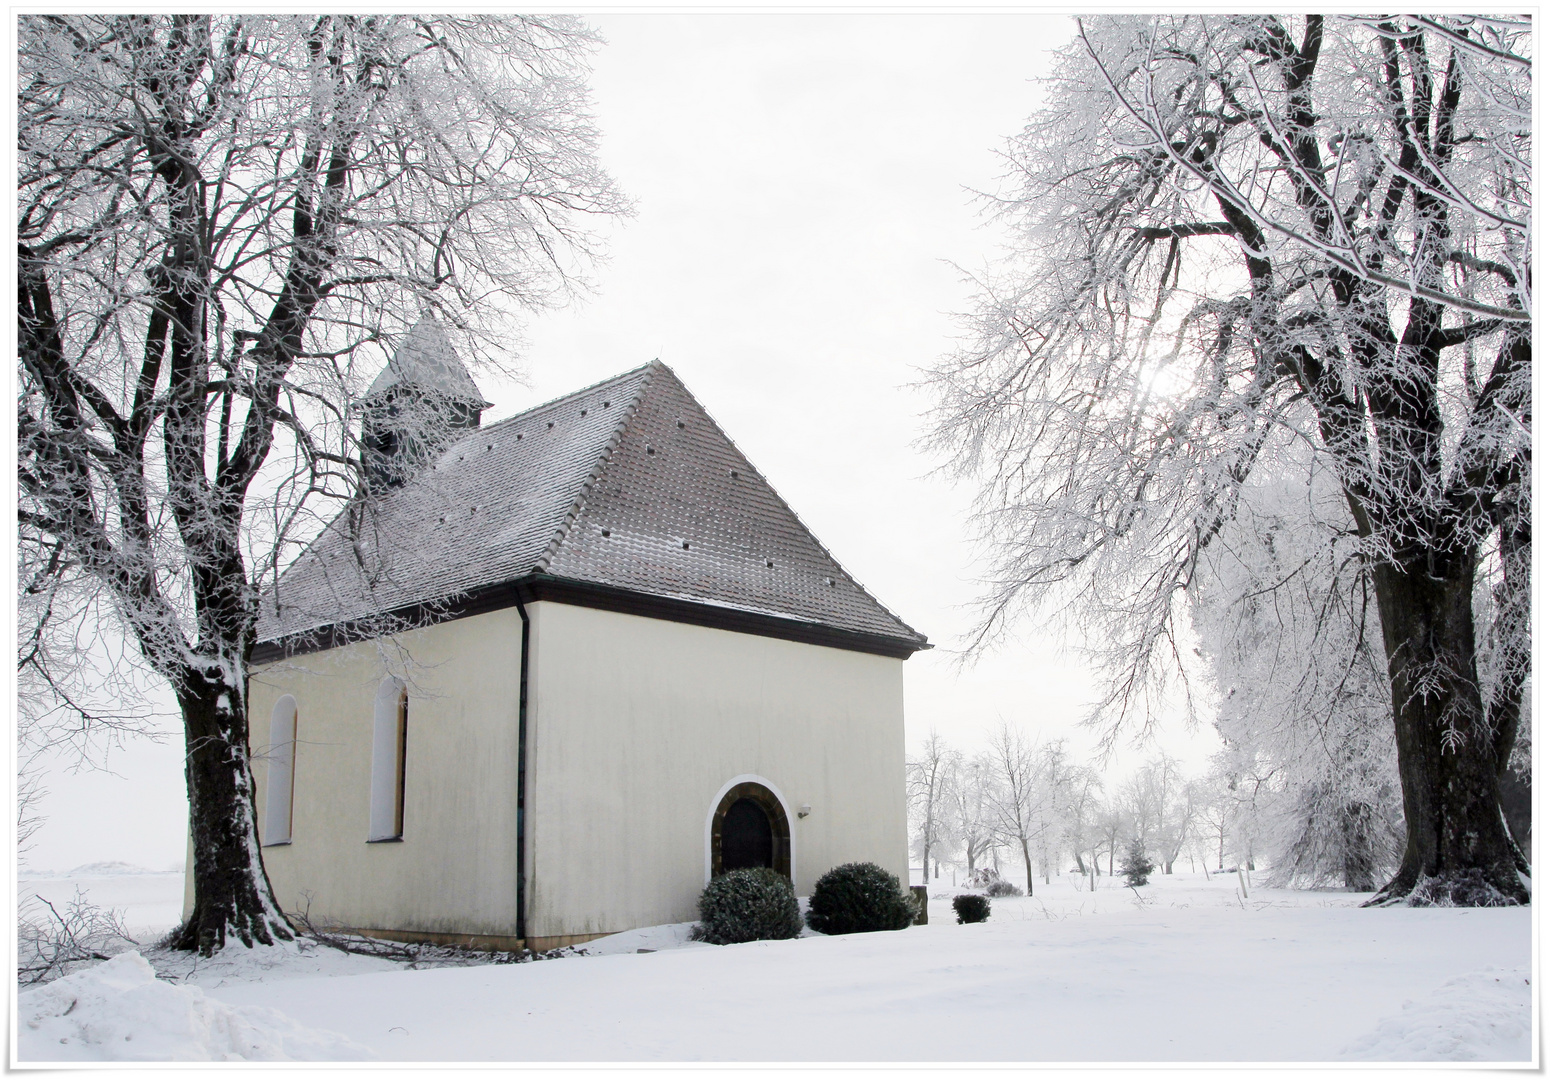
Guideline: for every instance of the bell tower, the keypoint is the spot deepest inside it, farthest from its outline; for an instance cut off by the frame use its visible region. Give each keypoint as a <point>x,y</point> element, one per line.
<point>422,401</point>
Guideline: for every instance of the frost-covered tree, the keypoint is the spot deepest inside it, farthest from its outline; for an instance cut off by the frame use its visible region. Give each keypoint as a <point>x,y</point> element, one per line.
<point>1229,229</point>
<point>220,220</point>
<point>930,777</point>
<point>1014,793</point>
<point>1082,793</point>
<point>1110,828</point>
<point>969,810</point>
<point>1160,806</point>
<point>1303,684</point>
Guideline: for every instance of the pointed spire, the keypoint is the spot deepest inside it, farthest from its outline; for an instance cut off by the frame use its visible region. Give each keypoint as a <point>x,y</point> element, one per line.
<point>426,359</point>
<point>418,404</point>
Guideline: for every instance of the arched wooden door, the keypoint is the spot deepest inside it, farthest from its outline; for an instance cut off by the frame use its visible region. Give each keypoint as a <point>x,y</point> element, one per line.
<point>748,829</point>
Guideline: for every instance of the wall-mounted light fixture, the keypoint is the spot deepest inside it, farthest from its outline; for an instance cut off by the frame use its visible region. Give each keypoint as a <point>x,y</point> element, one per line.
<point>804,810</point>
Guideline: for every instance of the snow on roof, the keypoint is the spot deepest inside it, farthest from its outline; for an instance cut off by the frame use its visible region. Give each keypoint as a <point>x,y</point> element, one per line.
<point>628,484</point>
<point>427,359</point>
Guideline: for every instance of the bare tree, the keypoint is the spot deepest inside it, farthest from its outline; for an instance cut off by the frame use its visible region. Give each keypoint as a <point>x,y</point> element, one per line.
<point>1142,799</point>
<point>1237,233</point>
<point>1179,827</point>
<point>1110,829</point>
<point>929,779</point>
<point>1014,792</point>
<point>1217,806</point>
<point>969,806</point>
<point>220,219</point>
<point>1083,794</point>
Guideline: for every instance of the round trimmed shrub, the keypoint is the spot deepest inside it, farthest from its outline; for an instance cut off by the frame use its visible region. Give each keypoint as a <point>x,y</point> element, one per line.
<point>748,905</point>
<point>971,907</point>
<point>858,898</point>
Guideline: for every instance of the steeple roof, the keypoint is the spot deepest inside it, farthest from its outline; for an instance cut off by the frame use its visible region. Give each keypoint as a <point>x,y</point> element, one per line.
<point>627,487</point>
<point>425,358</point>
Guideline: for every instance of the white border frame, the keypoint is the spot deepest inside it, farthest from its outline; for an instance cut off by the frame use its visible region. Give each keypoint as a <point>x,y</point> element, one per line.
<point>744,778</point>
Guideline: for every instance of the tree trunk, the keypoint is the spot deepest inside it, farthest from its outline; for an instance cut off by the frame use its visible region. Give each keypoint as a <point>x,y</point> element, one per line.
<point>1028,865</point>
<point>1457,850</point>
<point>1356,828</point>
<point>231,889</point>
<point>1081,867</point>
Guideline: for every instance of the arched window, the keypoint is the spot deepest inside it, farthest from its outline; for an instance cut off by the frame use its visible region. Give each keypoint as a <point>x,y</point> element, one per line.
<point>389,736</point>
<point>279,781</point>
<point>749,828</point>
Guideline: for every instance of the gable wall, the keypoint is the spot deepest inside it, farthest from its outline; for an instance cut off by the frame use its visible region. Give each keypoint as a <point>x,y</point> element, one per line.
<point>636,725</point>
<point>455,870</point>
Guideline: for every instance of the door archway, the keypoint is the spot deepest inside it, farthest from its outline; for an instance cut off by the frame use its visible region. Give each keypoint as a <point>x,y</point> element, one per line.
<point>749,828</point>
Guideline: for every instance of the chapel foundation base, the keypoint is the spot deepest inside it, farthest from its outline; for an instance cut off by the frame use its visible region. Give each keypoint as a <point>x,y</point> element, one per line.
<point>484,942</point>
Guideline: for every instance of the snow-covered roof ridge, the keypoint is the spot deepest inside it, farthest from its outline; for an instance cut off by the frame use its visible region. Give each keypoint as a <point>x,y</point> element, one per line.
<point>627,484</point>
<point>426,358</point>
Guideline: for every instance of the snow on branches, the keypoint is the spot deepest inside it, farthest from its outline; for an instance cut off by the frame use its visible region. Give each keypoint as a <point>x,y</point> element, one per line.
<point>221,221</point>
<point>1233,236</point>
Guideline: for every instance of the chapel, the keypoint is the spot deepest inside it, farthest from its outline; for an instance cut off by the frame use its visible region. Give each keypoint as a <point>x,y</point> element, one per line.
<point>544,678</point>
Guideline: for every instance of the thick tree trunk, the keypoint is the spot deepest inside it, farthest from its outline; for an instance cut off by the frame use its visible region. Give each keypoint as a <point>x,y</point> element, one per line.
<point>232,894</point>
<point>1457,850</point>
<point>1028,866</point>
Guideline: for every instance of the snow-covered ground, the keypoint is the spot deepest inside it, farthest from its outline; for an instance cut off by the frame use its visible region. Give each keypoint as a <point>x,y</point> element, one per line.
<point>1189,971</point>
<point>150,902</point>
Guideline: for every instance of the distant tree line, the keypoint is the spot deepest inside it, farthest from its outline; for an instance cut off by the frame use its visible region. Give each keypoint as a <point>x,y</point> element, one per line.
<point>1026,810</point>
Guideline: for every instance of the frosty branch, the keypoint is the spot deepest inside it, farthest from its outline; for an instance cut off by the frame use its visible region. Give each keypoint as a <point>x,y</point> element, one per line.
<point>1236,235</point>
<point>218,216</point>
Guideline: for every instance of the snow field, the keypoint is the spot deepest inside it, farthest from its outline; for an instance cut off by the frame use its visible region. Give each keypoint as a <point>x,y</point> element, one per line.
<point>151,903</point>
<point>119,1011</point>
<point>1189,970</point>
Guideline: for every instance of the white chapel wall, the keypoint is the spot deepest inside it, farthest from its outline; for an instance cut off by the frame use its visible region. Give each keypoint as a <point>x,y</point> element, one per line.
<point>637,725</point>
<point>454,871</point>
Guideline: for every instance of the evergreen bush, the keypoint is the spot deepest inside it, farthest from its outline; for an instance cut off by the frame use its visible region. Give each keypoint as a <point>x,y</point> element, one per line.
<point>1136,867</point>
<point>1000,887</point>
<point>971,907</point>
<point>748,905</point>
<point>857,898</point>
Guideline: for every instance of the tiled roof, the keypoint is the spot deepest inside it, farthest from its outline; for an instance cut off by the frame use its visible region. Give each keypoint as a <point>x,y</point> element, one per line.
<point>627,484</point>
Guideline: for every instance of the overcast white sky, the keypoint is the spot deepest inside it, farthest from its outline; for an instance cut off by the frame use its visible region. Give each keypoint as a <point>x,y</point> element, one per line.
<point>802,186</point>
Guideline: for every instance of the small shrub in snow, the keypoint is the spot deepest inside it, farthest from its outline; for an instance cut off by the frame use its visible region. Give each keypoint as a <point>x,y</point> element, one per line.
<point>1136,867</point>
<point>748,905</point>
<point>999,888</point>
<point>857,898</point>
<point>971,907</point>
